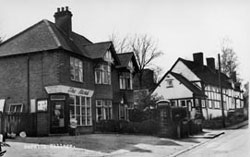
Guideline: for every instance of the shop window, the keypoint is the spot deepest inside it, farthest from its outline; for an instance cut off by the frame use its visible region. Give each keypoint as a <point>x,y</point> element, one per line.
<point>103,110</point>
<point>76,69</point>
<point>103,74</point>
<point>16,108</point>
<point>80,109</point>
<point>126,81</point>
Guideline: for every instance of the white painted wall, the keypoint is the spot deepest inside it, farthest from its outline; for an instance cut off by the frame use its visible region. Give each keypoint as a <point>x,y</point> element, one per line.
<point>180,67</point>
<point>177,91</point>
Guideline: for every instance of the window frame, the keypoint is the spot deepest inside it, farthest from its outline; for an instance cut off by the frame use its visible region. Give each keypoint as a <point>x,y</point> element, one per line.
<point>126,81</point>
<point>76,69</point>
<point>85,110</point>
<point>106,108</point>
<point>169,83</point>
<point>103,74</point>
<point>15,107</point>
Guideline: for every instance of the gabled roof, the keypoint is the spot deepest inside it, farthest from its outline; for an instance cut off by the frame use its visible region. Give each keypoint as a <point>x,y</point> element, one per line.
<point>125,58</point>
<point>196,91</point>
<point>206,74</point>
<point>97,50</point>
<point>42,36</point>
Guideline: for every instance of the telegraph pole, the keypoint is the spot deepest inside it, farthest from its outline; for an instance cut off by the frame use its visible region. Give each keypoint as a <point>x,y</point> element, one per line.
<point>221,94</point>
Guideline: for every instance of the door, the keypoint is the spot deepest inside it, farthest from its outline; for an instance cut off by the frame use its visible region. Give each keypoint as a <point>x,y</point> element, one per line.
<point>58,117</point>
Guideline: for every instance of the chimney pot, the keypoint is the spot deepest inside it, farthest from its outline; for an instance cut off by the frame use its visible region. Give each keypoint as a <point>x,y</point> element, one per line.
<point>67,8</point>
<point>198,58</point>
<point>211,63</point>
<point>233,76</point>
<point>63,20</point>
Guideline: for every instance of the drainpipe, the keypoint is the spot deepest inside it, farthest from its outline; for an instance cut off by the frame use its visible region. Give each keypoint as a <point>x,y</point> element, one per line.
<point>28,83</point>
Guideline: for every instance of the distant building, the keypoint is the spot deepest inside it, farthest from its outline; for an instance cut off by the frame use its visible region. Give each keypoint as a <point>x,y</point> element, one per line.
<point>193,85</point>
<point>60,75</point>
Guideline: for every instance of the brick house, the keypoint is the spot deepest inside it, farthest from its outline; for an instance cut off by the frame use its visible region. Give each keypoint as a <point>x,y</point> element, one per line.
<point>195,86</point>
<point>60,75</point>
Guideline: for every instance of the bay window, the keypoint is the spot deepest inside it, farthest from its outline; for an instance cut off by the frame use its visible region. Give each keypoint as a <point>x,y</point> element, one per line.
<point>126,81</point>
<point>103,110</point>
<point>103,74</point>
<point>76,69</point>
<point>80,109</point>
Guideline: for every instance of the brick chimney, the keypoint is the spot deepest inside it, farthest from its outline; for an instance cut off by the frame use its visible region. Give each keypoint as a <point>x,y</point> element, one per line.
<point>233,76</point>
<point>198,58</point>
<point>63,20</point>
<point>211,63</point>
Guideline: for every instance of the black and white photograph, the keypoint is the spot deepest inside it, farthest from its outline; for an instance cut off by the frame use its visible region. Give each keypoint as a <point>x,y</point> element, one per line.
<point>124,78</point>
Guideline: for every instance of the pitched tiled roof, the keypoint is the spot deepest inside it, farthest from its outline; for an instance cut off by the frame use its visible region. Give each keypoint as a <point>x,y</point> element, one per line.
<point>188,84</point>
<point>42,36</point>
<point>97,50</point>
<point>125,58</point>
<point>206,74</point>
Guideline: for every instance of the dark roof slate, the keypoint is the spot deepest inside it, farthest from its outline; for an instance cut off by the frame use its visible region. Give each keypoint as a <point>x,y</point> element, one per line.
<point>44,35</point>
<point>207,75</point>
<point>188,84</point>
<point>97,50</point>
<point>125,58</point>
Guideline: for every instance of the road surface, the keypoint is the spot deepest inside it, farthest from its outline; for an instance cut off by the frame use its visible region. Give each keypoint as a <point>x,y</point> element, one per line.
<point>234,143</point>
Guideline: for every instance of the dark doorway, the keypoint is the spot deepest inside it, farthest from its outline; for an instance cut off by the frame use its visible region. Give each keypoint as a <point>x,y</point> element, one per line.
<point>58,117</point>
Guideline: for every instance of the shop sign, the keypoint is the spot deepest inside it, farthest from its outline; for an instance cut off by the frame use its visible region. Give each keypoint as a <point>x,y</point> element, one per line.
<point>69,90</point>
<point>42,105</point>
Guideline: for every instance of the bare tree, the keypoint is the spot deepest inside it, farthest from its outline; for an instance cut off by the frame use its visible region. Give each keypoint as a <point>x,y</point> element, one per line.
<point>121,44</point>
<point>144,48</point>
<point>229,59</point>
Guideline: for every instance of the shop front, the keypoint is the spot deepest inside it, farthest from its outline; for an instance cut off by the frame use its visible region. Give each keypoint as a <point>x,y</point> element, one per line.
<point>65,104</point>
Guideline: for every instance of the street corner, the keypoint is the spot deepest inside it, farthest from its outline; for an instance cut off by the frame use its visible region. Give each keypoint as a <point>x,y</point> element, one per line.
<point>209,134</point>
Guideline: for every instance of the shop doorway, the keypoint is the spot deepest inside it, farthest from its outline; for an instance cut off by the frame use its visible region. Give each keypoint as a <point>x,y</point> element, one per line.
<point>58,117</point>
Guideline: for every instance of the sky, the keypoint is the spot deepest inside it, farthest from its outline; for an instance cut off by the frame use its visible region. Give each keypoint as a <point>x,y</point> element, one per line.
<point>181,27</point>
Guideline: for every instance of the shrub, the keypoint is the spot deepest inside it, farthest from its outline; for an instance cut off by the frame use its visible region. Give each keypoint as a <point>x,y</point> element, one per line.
<point>148,127</point>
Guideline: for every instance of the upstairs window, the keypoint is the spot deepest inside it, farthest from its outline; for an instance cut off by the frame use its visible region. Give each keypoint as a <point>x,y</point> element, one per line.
<point>126,81</point>
<point>130,66</point>
<point>103,74</point>
<point>169,83</point>
<point>108,57</point>
<point>76,72</point>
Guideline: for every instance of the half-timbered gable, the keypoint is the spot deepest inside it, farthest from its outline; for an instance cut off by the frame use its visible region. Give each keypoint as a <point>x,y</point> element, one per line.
<point>206,79</point>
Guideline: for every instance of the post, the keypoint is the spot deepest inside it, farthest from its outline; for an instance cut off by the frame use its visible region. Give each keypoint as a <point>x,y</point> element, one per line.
<point>221,94</point>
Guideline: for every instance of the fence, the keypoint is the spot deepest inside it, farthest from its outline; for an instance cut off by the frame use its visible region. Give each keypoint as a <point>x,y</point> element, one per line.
<point>17,122</point>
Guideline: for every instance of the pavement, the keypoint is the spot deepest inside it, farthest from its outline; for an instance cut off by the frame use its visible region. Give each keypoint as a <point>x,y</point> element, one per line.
<point>176,148</point>
<point>209,134</point>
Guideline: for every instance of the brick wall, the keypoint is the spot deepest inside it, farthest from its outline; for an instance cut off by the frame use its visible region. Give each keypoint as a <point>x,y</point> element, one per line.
<point>14,77</point>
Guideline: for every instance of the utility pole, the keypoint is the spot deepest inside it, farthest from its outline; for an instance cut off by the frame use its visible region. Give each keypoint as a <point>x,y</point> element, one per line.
<point>221,94</point>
